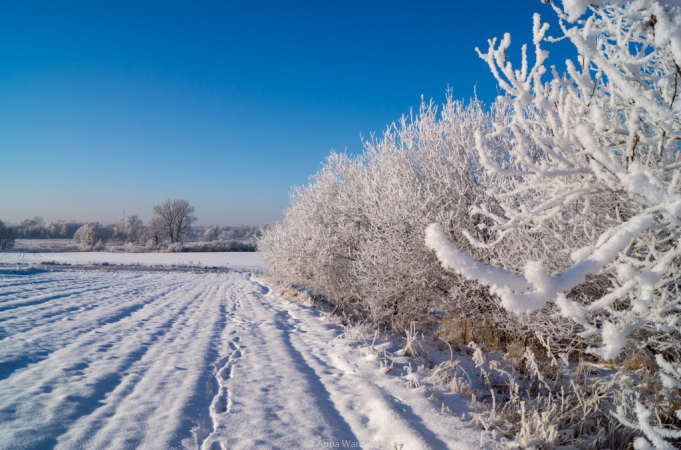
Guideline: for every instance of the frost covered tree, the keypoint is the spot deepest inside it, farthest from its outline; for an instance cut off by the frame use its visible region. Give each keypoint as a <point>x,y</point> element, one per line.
<point>55,229</point>
<point>176,217</point>
<point>596,148</point>
<point>31,228</point>
<point>7,237</point>
<point>211,233</point>
<point>132,228</point>
<point>90,237</point>
<point>155,230</point>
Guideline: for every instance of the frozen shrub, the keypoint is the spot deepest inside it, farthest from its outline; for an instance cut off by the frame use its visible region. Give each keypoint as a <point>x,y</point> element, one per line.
<point>172,248</point>
<point>132,229</point>
<point>595,149</point>
<point>355,232</point>
<point>314,245</point>
<point>557,214</point>
<point>297,295</point>
<point>219,246</point>
<point>89,237</point>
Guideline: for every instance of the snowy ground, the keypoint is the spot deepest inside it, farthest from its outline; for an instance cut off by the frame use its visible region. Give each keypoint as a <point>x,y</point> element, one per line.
<point>46,244</point>
<point>232,260</point>
<point>124,359</point>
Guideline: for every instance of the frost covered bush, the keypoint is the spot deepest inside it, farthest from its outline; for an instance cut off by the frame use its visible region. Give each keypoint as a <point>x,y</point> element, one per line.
<point>557,213</point>
<point>420,171</point>
<point>89,237</point>
<point>130,247</point>
<point>171,248</point>
<point>227,233</point>
<point>132,228</point>
<point>355,232</point>
<point>312,246</point>
<point>608,130</point>
<point>219,246</point>
<point>568,407</point>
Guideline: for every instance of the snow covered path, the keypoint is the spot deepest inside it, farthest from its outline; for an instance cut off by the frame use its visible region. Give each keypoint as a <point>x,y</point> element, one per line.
<point>179,360</point>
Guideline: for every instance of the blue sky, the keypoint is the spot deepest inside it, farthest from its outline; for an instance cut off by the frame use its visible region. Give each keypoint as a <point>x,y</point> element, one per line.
<point>112,106</point>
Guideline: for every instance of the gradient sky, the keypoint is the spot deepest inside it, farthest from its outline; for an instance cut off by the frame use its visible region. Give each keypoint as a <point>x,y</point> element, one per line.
<point>113,106</point>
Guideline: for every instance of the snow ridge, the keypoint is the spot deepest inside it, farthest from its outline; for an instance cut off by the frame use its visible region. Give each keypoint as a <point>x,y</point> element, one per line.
<point>207,361</point>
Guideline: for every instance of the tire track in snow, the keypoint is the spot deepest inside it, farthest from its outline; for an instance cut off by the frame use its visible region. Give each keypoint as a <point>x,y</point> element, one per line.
<point>66,306</point>
<point>46,337</point>
<point>36,301</point>
<point>152,376</point>
<point>377,417</point>
<point>273,391</point>
<point>198,361</point>
<point>105,354</point>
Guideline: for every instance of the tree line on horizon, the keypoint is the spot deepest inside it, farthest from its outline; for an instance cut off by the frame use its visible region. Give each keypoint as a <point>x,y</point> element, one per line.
<point>172,222</point>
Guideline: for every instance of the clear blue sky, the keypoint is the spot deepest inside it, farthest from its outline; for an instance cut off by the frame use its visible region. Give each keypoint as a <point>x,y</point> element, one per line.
<point>112,106</point>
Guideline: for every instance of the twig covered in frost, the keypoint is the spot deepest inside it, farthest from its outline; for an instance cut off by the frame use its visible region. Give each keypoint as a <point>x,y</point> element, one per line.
<point>412,345</point>
<point>608,129</point>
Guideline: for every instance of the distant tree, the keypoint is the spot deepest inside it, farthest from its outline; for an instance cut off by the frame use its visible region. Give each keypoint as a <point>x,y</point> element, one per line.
<point>71,228</point>
<point>32,228</point>
<point>90,237</point>
<point>55,229</point>
<point>6,237</point>
<point>109,232</point>
<point>132,228</point>
<point>155,230</point>
<point>227,234</point>
<point>177,217</point>
<point>211,233</point>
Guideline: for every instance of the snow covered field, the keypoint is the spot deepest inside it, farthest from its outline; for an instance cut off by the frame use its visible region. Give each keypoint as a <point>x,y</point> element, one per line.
<point>232,260</point>
<point>160,360</point>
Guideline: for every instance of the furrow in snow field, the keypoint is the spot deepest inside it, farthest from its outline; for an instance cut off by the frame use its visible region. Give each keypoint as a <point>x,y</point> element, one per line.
<point>178,360</point>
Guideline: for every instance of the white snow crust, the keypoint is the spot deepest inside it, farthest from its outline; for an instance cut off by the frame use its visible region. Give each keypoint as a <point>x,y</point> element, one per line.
<point>162,360</point>
<point>232,260</point>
